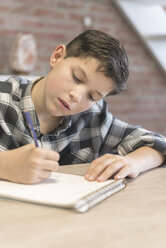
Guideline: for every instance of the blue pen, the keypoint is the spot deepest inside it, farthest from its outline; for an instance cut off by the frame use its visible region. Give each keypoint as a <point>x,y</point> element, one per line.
<point>28,118</point>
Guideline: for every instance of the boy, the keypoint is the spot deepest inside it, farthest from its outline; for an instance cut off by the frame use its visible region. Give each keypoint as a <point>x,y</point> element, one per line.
<point>71,119</point>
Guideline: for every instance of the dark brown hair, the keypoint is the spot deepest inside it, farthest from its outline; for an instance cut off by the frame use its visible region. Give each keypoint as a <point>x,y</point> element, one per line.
<point>110,53</point>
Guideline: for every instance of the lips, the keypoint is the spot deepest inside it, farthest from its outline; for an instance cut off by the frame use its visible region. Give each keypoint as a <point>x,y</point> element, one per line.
<point>64,104</point>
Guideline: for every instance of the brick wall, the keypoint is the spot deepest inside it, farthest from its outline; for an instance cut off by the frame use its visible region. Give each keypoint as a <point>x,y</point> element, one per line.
<point>57,21</point>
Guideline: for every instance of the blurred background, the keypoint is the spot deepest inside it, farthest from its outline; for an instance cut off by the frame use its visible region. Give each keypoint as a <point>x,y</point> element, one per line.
<point>37,27</point>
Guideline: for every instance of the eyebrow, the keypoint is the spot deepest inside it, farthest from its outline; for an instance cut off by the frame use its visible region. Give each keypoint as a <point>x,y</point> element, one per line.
<point>86,78</point>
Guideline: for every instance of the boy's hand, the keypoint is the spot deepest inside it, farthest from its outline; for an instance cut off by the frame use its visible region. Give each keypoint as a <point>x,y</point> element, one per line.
<point>142,159</point>
<point>28,164</point>
<point>108,165</point>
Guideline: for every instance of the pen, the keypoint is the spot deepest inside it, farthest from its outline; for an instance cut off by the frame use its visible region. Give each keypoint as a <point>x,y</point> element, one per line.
<point>28,118</point>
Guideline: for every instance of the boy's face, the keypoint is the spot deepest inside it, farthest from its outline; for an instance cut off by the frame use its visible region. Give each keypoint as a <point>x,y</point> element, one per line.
<point>73,85</point>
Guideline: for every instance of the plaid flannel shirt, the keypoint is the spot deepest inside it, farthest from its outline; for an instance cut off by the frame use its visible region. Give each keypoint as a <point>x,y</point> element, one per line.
<point>80,138</point>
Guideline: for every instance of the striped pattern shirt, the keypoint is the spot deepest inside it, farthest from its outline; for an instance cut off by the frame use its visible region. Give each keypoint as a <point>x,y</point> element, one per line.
<point>80,138</point>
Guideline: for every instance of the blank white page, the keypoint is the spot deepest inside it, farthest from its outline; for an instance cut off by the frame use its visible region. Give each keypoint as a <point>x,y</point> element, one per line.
<point>60,189</point>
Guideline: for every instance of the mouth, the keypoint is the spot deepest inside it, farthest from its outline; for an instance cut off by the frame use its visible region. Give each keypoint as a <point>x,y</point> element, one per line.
<point>64,104</point>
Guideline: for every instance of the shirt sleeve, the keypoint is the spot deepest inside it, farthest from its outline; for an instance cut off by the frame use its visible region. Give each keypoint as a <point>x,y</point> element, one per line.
<point>139,137</point>
<point>122,138</point>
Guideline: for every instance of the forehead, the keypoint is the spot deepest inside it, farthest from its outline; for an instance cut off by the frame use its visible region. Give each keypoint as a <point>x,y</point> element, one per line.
<point>91,70</point>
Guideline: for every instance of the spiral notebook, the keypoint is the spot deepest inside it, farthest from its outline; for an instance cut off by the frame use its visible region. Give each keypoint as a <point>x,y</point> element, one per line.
<point>62,190</point>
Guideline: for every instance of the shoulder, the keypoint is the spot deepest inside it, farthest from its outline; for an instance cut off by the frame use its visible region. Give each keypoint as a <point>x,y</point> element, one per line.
<point>12,90</point>
<point>13,84</point>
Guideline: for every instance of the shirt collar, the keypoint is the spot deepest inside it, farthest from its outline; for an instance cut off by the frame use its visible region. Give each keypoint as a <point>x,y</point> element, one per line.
<point>26,104</point>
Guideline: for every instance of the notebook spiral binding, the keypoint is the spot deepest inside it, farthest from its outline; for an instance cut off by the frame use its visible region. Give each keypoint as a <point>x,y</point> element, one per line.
<point>89,201</point>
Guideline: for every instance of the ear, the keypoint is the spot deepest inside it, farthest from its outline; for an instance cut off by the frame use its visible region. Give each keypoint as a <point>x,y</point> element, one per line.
<point>58,54</point>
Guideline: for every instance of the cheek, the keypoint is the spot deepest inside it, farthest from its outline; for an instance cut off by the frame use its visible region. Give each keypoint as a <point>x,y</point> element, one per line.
<point>60,80</point>
<point>55,84</point>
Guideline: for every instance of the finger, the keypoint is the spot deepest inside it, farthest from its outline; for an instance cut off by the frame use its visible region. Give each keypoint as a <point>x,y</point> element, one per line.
<point>95,171</point>
<point>98,165</point>
<point>95,163</point>
<point>124,172</point>
<point>47,154</point>
<point>52,155</point>
<point>110,171</point>
<point>45,174</point>
<point>50,165</point>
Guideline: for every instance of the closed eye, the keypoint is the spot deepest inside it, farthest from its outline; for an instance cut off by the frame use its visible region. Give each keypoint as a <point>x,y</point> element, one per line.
<point>94,96</point>
<point>76,79</point>
<point>91,98</point>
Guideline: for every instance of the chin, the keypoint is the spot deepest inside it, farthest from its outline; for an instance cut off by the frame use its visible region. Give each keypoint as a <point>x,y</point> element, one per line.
<point>52,112</point>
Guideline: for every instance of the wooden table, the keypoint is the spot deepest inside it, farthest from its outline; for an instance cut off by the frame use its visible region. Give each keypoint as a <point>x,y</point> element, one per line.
<point>134,217</point>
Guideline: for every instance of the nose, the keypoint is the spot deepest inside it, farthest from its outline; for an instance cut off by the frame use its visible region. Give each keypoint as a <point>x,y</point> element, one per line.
<point>77,93</point>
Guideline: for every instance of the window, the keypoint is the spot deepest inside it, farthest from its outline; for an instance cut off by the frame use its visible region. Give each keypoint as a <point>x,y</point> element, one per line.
<point>148,18</point>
